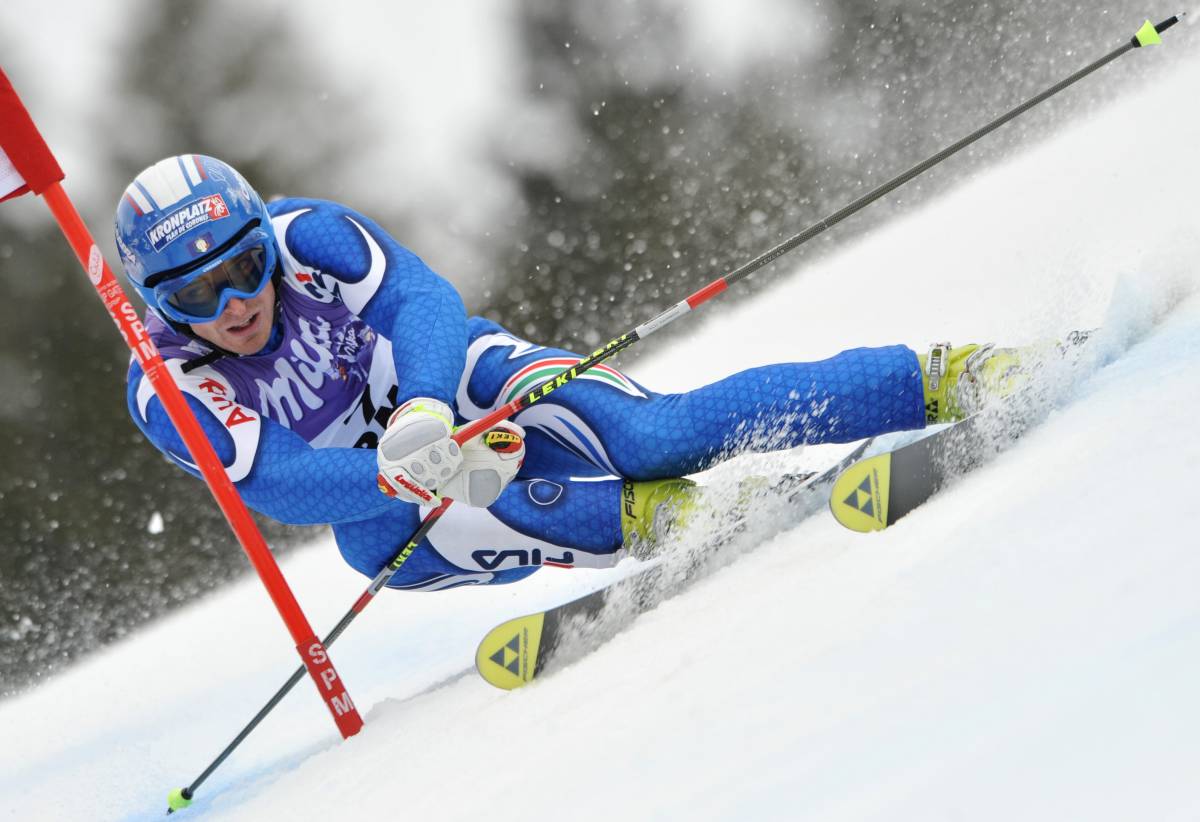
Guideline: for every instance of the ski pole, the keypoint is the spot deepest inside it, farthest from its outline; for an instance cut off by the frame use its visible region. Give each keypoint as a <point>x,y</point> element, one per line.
<point>1146,36</point>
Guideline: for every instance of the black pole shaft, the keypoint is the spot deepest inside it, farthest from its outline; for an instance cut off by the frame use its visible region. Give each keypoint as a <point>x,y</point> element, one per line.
<point>631,337</point>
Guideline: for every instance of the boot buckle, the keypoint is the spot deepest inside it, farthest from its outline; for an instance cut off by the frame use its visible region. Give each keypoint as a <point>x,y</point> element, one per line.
<point>936,364</point>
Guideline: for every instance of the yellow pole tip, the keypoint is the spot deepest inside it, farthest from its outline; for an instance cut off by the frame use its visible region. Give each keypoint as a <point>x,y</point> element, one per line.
<point>176,801</point>
<point>1148,35</point>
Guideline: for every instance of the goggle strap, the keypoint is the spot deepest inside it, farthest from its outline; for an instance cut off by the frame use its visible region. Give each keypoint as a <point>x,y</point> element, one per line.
<point>204,359</point>
<point>178,271</point>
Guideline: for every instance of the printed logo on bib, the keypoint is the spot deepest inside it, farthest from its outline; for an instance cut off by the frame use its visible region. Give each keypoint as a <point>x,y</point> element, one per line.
<point>221,402</point>
<point>320,353</point>
<point>211,389</point>
<point>182,220</point>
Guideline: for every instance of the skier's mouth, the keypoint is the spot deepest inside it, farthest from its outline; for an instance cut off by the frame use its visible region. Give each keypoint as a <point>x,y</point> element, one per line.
<point>245,328</point>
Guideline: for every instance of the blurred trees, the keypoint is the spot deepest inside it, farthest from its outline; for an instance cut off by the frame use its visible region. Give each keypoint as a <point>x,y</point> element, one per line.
<point>660,179</point>
<point>238,83</point>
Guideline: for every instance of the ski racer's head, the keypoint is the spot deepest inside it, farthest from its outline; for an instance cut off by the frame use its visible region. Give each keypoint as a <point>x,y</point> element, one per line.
<point>196,242</point>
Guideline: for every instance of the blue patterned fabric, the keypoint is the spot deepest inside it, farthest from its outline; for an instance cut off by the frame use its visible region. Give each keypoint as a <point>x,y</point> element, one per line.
<point>574,517</point>
<point>856,394</point>
<point>291,481</point>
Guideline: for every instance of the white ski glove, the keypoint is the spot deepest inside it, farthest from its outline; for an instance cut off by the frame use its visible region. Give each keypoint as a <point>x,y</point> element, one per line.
<point>489,463</point>
<point>416,455</point>
<point>418,461</point>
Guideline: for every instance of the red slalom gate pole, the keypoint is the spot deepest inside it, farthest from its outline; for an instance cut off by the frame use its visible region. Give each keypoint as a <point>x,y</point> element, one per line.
<point>39,171</point>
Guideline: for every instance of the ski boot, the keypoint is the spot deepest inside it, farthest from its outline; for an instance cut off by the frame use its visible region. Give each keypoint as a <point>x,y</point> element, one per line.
<point>652,509</point>
<point>960,381</point>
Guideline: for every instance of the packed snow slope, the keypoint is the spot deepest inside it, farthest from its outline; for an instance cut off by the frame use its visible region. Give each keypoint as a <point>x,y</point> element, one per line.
<point>1025,646</point>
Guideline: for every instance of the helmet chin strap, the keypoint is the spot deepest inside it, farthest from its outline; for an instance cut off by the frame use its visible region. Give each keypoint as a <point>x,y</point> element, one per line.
<point>219,353</point>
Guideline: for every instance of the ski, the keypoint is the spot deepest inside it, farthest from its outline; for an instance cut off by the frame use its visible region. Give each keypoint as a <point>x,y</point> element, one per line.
<point>517,651</point>
<point>873,493</point>
<point>876,492</point>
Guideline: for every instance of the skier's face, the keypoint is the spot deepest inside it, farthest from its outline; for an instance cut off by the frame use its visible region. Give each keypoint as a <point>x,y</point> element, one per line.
<point>244,326</point>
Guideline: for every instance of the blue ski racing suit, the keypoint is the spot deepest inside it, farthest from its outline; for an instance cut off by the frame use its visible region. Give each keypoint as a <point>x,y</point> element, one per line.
<point>364,325</point>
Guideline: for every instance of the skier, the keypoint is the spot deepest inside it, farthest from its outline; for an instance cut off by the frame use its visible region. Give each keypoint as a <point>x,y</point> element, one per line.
<point>327,364</point>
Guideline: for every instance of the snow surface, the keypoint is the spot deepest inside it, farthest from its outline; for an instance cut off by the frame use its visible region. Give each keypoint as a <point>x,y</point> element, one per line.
<point>1026,645</point>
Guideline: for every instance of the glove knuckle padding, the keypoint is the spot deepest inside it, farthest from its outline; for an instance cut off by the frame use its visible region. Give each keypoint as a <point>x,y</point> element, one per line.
<point>416,452</point>
<point>401,441</point>
<point>417,456</point>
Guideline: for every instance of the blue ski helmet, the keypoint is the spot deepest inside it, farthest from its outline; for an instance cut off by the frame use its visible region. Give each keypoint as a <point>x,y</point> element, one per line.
<point>192,235</point>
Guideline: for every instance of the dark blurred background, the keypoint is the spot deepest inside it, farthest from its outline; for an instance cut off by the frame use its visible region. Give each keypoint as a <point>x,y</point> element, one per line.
<point>619,156</point>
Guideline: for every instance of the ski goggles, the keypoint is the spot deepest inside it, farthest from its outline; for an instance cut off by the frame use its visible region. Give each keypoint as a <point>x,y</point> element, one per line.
<point>199,296</point>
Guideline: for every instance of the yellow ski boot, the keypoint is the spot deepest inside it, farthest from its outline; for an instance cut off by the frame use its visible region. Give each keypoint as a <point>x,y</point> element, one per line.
<point>960,381</point>
<point>651,508</point>
<point>654,509</point>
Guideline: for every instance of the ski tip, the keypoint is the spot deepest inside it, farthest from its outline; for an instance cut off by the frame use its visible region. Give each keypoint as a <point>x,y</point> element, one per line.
<point>178,799</point>
<point>859,497</point>
<point>507,657</point>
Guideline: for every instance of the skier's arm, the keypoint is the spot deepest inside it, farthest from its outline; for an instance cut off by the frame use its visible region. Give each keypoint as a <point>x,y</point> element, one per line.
<point>276,472</point>
<point>352,259</point>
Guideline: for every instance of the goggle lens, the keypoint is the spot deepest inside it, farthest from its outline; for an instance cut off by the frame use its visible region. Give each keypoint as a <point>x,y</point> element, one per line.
<point>199,299</point>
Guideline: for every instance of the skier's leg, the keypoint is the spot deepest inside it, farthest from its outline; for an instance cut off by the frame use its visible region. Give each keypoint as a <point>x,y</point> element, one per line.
<point>536,522</point>
<point>856,394</point>
<point>623,429</point>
